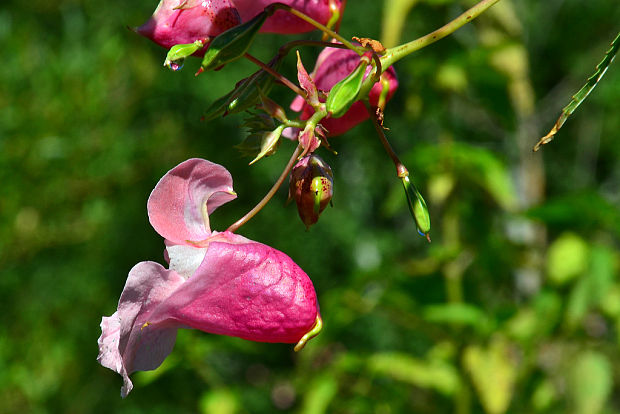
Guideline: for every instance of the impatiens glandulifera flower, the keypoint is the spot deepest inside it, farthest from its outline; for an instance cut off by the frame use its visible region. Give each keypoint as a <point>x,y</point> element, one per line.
<point>331,67</point>
<point>323,11</point>
<point>220,283</point>
<point>311,186</point>
<point>186,21</point>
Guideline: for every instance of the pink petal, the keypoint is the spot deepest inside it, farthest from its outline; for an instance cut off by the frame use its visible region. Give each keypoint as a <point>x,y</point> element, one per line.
<point>126,343</point>
<point>282,21</point>
<point>247,290</point>
<point>182,200</point>
<point>180,21</point>
<point>242,288</point>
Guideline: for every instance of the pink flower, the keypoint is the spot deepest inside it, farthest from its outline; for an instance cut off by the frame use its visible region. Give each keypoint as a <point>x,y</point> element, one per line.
<point>331,67</point>
<point>185,21</point>
<point>284,22</point>
<point>220,283</point>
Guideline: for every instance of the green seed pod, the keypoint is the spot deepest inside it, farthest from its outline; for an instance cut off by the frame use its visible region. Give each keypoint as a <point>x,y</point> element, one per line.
<point>344,93</point>
<point>417,207</point>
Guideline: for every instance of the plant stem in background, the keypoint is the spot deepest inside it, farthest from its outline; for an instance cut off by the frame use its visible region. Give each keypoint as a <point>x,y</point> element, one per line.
<point>583,93</point>
<point>394,54</point>
<point>360,51</point>
<point>235,226</point>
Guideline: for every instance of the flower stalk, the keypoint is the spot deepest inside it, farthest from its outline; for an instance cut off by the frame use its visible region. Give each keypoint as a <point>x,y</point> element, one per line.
<point>248,216</point>
<point>396,53</point>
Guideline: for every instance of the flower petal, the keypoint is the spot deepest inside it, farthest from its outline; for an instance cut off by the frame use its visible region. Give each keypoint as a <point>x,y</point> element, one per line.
<point>184,21</point>
<point>248,290</point>
<point>284,22</point>
<point>128,343</point>
<point>182,200</point>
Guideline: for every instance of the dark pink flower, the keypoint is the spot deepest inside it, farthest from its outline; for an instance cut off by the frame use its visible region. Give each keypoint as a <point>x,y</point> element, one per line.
<point>220,283</point>
<point>185,21</point>
<point>332,66</point>
<point>284,22</point>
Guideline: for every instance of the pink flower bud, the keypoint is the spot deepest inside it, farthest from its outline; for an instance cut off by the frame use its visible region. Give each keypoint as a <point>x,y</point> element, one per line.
<point>284,22</point>
<point>185,21</point>
<point>331,67</point>
<point>311,186</point>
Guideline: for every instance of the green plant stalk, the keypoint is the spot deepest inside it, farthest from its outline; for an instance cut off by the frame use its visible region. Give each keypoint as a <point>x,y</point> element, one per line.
<point>396,53</point>
<point>359,50</point>
<point>248,216</point>
<point>583,93</point>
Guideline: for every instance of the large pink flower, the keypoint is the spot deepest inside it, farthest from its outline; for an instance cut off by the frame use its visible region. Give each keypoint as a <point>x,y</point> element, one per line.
<point>284,22</point>
<point>220,283</point>
<point>331,67</point>
<point>185,21</point>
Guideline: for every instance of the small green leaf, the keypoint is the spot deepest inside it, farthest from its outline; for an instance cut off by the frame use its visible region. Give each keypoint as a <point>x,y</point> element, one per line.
<point>590,382</point>
<point>219,401</point>
<point>461,314</point>
<point>244,96</point>
<point>567,258</point>
<point>344,93</point>
<point>320,393</point>
<point>269,143</point>
<point>434,374</point>
<point>233,43</point>
<point>493,373</point>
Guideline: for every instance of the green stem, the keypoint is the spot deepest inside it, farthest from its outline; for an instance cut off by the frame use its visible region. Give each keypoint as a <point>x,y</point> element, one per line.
<point>276,75</point>
<point>360,51</point>
<point>287,47</point>
<point>395,54</point>
<point>235,226</point>
<point>401,170</point>
<point>583,93</point>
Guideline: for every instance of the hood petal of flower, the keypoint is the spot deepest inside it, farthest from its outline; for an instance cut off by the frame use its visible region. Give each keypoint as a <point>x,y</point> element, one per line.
<point>182,200</point>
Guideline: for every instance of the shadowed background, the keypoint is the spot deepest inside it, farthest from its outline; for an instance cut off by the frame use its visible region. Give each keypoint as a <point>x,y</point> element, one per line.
<point>514,307</point>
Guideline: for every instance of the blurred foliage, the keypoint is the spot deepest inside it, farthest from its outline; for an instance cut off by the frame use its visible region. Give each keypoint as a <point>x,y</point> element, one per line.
<point>514,307</point>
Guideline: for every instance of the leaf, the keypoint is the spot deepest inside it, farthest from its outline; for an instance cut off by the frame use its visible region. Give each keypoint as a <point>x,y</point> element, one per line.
<point>434,374</point>
<point>461,314</point>
<point>493,373</point>
<point>567,258</point>
<point>591,288</point>
<point>320,393</point>
<point>590,382</point>
<point>583,93</point>
<point>269,143</point>
<point>233,43</point>
<point>219,401</point>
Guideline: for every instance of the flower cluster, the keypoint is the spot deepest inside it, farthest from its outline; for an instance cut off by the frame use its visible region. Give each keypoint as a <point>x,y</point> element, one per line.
<point>221,282</point>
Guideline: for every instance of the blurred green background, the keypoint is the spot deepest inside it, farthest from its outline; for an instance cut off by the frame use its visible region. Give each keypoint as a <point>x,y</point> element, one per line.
<point>514,307</point>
